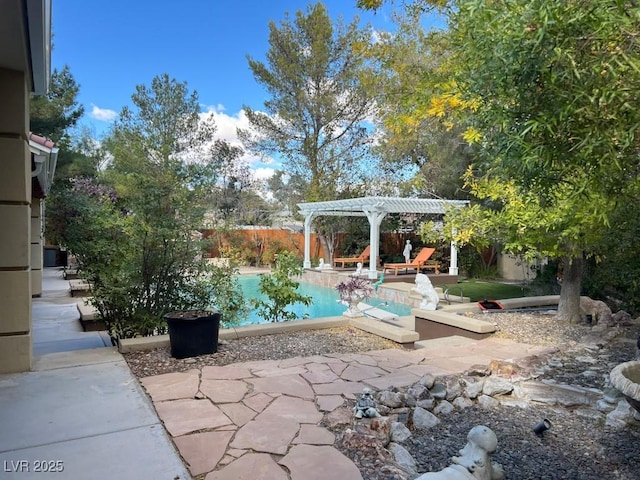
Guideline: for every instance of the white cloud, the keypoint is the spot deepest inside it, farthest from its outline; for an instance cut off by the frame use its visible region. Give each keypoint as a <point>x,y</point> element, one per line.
<point>263,173</point>
<point>102,114</point>
<point>226,129</point>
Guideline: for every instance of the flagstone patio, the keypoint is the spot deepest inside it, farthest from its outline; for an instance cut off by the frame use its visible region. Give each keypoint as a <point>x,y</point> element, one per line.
<point>260,420</point>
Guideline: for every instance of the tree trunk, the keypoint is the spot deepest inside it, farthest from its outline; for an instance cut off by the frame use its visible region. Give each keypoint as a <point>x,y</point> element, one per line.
<point>569,305</point>
<point>328,245</point>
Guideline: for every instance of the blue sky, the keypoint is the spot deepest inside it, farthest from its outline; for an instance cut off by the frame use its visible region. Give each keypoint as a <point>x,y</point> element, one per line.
<point>111,46</point>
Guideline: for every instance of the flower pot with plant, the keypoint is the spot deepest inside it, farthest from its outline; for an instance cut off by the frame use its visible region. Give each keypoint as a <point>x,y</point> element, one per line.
<point>352,292</point>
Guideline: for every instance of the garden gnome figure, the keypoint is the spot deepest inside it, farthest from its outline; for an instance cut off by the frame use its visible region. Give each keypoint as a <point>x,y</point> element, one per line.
<point>366,406</point>
<point>407,252</point>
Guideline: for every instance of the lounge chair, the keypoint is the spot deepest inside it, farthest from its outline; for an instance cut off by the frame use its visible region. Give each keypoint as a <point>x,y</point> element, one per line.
<point>363,257</point>
<point>421,261</point>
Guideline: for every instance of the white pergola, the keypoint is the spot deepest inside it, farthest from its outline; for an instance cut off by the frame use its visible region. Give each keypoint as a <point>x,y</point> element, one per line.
<point>375,209</point>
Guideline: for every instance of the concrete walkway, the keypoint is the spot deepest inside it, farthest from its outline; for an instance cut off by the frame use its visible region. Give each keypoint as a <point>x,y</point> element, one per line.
<point>80,411</point>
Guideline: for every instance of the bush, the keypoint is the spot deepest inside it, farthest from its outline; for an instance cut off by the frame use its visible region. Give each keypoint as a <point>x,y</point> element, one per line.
<point>281,289</point>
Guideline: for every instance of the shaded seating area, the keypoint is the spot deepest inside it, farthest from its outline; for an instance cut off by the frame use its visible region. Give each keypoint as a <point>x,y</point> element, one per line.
<point>362,258</point>
<point>420,262</point>
<point>375,209</point>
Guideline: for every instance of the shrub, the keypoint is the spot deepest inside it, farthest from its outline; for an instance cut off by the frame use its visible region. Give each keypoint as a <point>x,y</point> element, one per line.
<point>281,289</point>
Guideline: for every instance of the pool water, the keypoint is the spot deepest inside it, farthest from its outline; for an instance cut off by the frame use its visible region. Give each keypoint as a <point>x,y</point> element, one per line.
<point>325,301</point>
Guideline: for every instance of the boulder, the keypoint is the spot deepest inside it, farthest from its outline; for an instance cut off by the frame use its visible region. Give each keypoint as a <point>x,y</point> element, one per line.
<point>424,419</point>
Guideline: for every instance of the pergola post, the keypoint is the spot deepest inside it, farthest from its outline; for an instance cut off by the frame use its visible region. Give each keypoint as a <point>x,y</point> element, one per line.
<point>307,240</point>
<point>453,266</point>
<point>375,219</point>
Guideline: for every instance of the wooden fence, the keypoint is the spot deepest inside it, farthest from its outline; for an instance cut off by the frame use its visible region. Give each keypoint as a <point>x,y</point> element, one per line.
<point>257,246</point>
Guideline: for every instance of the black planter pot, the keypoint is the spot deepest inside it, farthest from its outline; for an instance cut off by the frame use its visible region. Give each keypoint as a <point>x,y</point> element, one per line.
<point>193,332</point>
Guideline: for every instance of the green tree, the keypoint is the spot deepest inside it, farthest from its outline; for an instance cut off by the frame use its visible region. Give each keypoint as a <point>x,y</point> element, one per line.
<point>287,190</point>
<point>554,83</point>
<point>425,153</point>
<point>315,118</point>
<point>54,114</point>
<point>549,90</point>
<point>140,245</point>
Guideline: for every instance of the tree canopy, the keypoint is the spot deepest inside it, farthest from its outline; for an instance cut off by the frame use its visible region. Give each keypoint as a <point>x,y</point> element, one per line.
<point>546,92</point>
<point>315,118</point>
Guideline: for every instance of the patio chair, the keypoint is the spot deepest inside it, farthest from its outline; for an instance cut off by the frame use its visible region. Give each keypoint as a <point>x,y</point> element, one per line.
<point>421,261</point>
<point>363,257</point>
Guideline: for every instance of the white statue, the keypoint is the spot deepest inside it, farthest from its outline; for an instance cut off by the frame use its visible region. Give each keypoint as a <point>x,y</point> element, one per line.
<point>358,271</point>
<point>430,297</point>
<point>322,265</point>
<point>474,462</point>
<point>407,252</point>
<point>366,406</point>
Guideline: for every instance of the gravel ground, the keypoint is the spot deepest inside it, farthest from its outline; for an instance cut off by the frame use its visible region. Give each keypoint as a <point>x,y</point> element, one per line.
<point>268,347</point>
<point>575,448</point>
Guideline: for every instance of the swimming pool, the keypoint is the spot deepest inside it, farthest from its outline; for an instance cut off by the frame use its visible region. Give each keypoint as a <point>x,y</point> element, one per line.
<point>325,301</point>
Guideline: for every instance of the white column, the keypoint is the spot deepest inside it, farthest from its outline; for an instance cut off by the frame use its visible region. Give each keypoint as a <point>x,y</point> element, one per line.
<point>375,219</point>
<point>453,267</point>
<point>307,241</point>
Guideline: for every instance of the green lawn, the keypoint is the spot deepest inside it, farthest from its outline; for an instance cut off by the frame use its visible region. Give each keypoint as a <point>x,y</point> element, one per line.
<point>491,290</point>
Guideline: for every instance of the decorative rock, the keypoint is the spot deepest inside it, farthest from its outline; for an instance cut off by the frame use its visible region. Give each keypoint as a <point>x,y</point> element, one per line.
<point>379,428</point>
<point>621,416</point>
<point>588,413</point>
<point>473,386</point>
<point>365,445</point>
<point>399,432</point>
<point>586,359</point>
<point>427,380</point>
<point>438,391</point>
<point>443,408</point>
<point>597,308</point>
<point>419,392</point>
<point>513,402</point>
<point>340,417</point>
<point>454,387</point>
<point>478,370</point>
<point>496,386</point>
<point>462,402</point>
<point>401,415</point>
<point>556,363</point>
<point>427,404</point>
<point>384,410</point>
<point>403,458</point>
<point>423,419</point>
<point>505,369</point>
<point>485,401</point>
<point>390,399</point>
<point>605,407</point>
<point>611,395</point>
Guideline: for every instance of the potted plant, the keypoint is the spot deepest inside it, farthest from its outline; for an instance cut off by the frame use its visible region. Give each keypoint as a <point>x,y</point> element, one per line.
<point>193,332</point>
<point>352,292</point>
